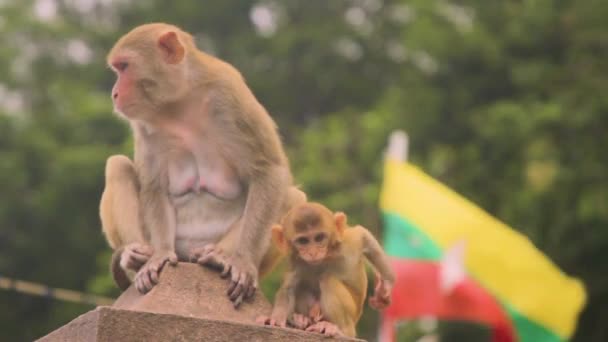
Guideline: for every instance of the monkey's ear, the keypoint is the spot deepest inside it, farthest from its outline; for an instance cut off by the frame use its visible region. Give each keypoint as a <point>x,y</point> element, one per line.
<point>279,238</point>
<point>171,48</point>
<point>340,219</point>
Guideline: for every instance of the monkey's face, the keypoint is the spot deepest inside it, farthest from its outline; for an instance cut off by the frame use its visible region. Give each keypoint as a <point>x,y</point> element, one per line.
<point>150,72</point>
<point>124,92</point>
<point>312,247</point>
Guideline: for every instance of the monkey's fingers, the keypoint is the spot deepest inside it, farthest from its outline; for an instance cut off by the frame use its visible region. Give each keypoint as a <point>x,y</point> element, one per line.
<point>325,328</point>
<point>238,301</point>
<point>231,287</point>
<point>315,312</point>
<point>279,322</point>
<point>145,282</point>
<point>173,259</point>
<point>132,260</point>
<point>127,261</point>
<point>196,253</point>
<point>262,320</point>
<point>237,285</point>
<point>332,331</point>
<point>318,328</point>
<point>226,271</point>
<point>214,259</point>
<point>300,321</point>
<point>379,303</point>
<point>237,291</point>
<point>251,289</point>
<point>145,250</point>
<point>379,283</point>
<point>153,272</point>
<point>138,284</point>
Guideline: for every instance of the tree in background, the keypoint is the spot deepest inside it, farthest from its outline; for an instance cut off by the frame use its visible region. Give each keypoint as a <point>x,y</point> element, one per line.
<point>502,101</point>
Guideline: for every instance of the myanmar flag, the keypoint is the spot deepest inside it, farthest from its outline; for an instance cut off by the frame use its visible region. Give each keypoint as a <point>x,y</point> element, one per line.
<point>509,285</point>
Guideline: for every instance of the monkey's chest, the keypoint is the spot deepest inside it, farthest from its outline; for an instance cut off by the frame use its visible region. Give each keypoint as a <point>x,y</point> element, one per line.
<point>202,174</point>
<point>207,197</point>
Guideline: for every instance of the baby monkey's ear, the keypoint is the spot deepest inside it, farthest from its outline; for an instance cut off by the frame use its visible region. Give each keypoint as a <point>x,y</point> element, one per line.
<point>341,224</point>
<point>278,236</point>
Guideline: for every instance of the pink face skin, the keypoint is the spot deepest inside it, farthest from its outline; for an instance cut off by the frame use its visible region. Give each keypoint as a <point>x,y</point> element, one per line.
<point>121,92</point>
<point>312,246</point>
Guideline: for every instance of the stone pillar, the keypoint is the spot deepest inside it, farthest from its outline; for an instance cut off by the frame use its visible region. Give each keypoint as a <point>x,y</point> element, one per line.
<point>188,304</point>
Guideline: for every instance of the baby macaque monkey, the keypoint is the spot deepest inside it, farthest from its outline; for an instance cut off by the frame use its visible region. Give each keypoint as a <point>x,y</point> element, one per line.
<point>325,285</point>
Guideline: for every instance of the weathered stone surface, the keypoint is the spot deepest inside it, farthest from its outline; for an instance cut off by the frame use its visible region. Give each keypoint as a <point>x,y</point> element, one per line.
<point>106,324</point>
<point>193,291</point>
<point>188,304</point>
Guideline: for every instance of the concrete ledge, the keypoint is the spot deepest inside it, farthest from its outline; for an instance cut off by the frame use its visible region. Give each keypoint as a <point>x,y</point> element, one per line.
<point>107,324</point>
<point>188,304</point>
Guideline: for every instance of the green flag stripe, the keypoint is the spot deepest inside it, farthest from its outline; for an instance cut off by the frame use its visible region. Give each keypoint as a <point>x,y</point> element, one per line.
<point>403,239</point>
<point>528,331</point>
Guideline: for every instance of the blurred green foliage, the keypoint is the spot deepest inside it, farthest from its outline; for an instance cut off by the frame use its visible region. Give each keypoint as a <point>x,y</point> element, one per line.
<point>503,101</point>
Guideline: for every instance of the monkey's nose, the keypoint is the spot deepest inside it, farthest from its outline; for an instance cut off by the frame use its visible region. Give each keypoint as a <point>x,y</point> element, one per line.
<point>115,95</point>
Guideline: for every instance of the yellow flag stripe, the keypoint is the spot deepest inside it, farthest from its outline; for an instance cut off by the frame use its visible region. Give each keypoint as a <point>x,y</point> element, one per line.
<point>501,259</point>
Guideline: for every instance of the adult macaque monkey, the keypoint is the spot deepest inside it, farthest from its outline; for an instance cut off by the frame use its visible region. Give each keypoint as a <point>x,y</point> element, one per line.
<point>325,286</point>
<point>209,175</point>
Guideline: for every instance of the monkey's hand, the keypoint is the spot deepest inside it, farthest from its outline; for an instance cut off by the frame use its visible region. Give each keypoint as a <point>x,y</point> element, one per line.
<point>300,321</point>
<point>135,255</point>
<point>210,255</point>
<point>325,328</point>
<point>147,276</point>
<point>277,319</point>
<point>244,278</point>
<point>382,294</point>
<point>244,275</point>
<point>315,313</point>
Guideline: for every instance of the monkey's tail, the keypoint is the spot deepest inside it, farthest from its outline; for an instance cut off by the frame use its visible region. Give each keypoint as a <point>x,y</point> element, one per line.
<point>120,276</point>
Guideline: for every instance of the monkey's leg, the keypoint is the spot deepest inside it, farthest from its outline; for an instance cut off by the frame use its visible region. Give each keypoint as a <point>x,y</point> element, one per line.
<point>338,306</point>
<point>307,311</point>
<point>120,219</point>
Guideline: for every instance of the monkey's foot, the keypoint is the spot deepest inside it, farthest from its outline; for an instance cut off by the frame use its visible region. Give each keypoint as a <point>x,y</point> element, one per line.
<point>272,320</point>
<point>243,274</point>
<point>244,278</point>
<point>209,255</point>
<point>135,255</point>
<point>300,321</point>
<point>326,328</point>
<point>147,276</point>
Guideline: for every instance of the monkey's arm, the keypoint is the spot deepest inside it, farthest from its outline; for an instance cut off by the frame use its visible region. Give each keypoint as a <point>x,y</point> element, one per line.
<point>375,254</point>
<point>284,302</point>
<point>385,277</point>
<point>264,199</point>
<point>120,219</point>
<point>159,219</point>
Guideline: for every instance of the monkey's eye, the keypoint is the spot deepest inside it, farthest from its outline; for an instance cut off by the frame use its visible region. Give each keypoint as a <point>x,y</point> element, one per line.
<point>120,66</point>
<point>302,240</point>
<point>319,237</point>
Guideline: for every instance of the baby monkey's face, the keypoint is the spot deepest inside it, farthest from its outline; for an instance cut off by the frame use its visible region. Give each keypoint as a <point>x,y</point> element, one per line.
<point>311,246</point>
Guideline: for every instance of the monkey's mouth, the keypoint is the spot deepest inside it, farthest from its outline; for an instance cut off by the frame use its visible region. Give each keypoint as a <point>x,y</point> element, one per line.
<point>315,261</point>
<point>123,110</point>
